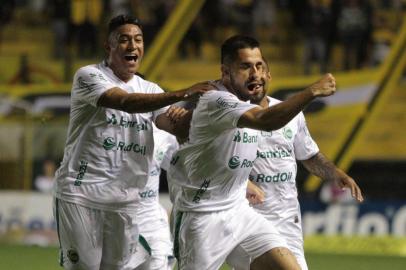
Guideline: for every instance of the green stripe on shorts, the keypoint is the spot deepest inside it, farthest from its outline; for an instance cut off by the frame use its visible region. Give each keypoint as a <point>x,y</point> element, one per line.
<point>144,244</point>
<point>178,222</point>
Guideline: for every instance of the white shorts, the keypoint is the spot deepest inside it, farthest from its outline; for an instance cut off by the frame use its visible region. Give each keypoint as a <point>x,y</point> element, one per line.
<point>204,240</point>
<point>289,230</point>
<point>95,239</point>
<point>156,232</point>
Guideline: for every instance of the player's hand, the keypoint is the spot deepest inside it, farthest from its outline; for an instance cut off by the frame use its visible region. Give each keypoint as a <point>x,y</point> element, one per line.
<point>195,91</point>
<point>346,181</point>
<point>255,194</point>
<point>174,113</point>
<point>326,86</point>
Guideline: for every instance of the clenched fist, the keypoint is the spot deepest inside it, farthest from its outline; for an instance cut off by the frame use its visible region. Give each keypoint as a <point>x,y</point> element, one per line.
<point>326,86</point>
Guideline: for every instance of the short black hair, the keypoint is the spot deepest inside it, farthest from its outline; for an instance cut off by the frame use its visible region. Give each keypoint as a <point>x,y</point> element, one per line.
<point>230,47</point>
<point>121,20</point>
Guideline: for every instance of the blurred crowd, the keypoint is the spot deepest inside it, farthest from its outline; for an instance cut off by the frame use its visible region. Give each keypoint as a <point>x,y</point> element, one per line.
<point>309,30</point>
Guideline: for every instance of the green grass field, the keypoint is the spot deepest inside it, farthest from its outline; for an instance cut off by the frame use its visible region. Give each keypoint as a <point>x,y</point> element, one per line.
<point>37,258</point>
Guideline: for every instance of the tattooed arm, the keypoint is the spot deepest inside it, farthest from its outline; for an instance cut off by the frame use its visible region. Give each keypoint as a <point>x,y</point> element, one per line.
<point>117,98</point>
<point>322,167</point>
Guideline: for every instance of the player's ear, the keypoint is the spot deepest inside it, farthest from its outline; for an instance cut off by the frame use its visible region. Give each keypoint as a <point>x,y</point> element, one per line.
<point>225,71</point>
<point>107,47</point>
<point>269,76</point>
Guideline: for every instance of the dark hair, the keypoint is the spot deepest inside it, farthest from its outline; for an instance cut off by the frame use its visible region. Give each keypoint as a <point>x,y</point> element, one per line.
<point>230,47</point>
<point>121,20</point>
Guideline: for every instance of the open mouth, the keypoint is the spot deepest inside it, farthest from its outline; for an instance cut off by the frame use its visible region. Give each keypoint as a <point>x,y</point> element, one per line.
<point>131,58</point>
<point>255,86</point>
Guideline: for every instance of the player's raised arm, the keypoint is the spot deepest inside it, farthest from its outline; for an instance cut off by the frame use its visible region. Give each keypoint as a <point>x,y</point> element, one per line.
<point>278,115</point>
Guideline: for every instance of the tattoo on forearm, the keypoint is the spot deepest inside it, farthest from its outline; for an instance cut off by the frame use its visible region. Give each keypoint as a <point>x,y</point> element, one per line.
<point>322,167</point>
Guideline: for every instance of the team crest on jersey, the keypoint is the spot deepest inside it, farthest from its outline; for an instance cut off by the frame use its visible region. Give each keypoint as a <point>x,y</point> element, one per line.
<point>73,256</point>
<point>287,133</point>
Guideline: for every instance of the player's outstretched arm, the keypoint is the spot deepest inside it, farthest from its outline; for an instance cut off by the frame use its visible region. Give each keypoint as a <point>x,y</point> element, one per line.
<point>277,116</point>
<point>322,167</point>
<point>117,98</point>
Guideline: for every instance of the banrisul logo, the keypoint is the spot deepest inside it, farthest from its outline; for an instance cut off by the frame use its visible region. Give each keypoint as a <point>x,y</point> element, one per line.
<point>244,137</point>
<point>112,119</point>
<point>287,133</point>
<point>126,123</point>
<point>109,143</point>
<point>234,162</point>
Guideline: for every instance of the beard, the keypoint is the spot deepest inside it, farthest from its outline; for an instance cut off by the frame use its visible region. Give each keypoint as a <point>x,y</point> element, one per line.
<point>253,98</point>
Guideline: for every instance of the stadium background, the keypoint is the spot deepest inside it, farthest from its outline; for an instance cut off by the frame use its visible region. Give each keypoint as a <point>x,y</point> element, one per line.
<point>361,128</point>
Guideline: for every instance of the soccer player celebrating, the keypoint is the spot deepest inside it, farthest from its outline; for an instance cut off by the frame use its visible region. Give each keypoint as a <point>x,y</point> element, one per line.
<point>109,153</point>
<point>274,171</point>
<point>212,167</point>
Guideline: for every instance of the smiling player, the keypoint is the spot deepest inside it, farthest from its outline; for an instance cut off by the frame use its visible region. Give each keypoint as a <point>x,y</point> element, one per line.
<point>108,153</point>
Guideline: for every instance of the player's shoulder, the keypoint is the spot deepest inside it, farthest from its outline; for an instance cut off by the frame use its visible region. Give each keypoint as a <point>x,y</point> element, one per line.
<point>88,69</point>
<point>142,84</point>
<point>273,101</point>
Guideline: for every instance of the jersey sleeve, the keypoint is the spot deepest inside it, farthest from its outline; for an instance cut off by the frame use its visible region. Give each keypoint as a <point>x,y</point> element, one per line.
<point>304,145</point>
<point>155,89</point>
<point>225,109</point>
<point>89,84</point>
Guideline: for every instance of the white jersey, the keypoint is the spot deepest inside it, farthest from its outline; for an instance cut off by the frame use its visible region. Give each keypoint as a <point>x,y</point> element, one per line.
<point>212,168</point>
<point>108,152</point>
<point>275,169</point>
<point>149,210</point>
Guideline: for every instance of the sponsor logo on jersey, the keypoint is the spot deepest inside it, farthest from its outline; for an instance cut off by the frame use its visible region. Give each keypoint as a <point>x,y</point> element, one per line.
<point>174,160</point>
<point>110,144</point>
<point>279,177</point>
<point>203,188</point>
<point>287,133</point>
<point>221,103</point>
<point>266,134</point>
<point>98,76</point>
<point>83,84</point>
<point>148,194</point>
<point>125,123</point>
<point>81,174</point>
<point>245,138</point>
<point>235,162</point>
<point>155,171</point>
<point>280,153</point>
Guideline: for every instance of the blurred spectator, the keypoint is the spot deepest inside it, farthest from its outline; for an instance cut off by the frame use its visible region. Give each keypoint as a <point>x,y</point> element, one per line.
<point>59,12</point>
<point>315,29</point>
<point>6,13</point>
<point>45,181</point>
<point>354,24</point>
<point>85,17</point>
<point>117,7</point>
<point>238,15</point>
<point>263,19</point>
<point>191,44</point>
<point>153,14</point>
